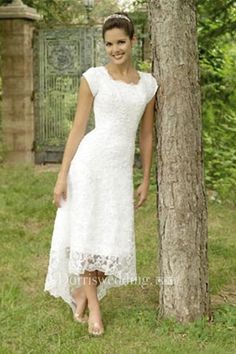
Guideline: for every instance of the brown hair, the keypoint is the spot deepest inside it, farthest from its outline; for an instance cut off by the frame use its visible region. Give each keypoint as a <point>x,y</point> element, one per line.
<point>122,23</point>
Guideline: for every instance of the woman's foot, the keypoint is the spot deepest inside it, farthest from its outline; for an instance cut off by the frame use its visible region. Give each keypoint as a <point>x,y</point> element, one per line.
<point>81,305</point>
<point>95,325</point>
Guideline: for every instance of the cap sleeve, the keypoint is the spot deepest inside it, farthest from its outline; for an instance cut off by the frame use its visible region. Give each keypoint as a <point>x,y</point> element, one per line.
<point>91,77</point>
<point>152,87</point>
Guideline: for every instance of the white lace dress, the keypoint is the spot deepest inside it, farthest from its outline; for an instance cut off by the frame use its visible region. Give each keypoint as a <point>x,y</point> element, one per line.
<point>94,227</point>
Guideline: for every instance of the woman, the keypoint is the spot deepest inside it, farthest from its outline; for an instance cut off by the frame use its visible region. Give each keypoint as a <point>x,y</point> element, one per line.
<point>93,242</point>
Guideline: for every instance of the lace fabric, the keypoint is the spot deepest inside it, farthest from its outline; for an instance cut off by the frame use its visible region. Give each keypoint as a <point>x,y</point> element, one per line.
<point>94,227</point>
<point>121,81</point>
<point>64,274</point>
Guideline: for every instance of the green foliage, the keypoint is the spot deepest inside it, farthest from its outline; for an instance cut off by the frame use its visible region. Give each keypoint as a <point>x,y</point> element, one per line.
<point>217,51</point>
<point>215,19</point>
<point>104,8</point>
<point>145,65</point>
<point>56,12</point>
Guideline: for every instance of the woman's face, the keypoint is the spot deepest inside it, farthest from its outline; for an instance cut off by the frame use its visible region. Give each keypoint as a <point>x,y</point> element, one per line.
<point>118,45</point>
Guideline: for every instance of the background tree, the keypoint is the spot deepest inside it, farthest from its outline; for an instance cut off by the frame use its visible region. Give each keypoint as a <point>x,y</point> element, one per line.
<point>182,208</point>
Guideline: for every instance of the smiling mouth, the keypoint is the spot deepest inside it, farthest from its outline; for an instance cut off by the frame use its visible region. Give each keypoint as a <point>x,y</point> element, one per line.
<point>118,56</point>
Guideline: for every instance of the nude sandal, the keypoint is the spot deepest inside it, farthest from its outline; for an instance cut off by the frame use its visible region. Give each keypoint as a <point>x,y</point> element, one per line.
<point>77,316</point>
<point>94,329</point>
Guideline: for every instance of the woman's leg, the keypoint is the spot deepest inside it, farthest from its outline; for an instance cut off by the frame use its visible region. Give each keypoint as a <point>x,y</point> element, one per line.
<point>79,294</point>
<point>81,302</point>
<point>89,283</point>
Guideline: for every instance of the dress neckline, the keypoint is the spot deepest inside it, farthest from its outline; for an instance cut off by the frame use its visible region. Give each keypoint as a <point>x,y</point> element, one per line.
<point>122,81</point>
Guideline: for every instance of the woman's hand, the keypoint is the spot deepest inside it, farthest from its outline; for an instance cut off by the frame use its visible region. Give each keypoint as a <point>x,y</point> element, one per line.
<point>141,192</point>
<point>60,191</point>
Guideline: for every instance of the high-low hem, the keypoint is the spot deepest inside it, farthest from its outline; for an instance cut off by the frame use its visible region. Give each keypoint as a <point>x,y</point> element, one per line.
<point>109,282</point>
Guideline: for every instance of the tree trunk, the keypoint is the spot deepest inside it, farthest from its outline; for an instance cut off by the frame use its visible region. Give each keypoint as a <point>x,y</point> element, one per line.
<point>182,204</point>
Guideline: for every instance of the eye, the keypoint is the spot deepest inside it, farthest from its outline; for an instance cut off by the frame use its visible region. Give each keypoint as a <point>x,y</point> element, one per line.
<point>108,44</point>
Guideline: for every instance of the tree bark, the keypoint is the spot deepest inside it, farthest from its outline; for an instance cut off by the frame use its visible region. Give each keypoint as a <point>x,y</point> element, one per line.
<point>182,203</point>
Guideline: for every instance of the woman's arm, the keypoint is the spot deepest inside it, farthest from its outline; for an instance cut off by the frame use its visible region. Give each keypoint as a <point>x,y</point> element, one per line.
<point>84,104</point>
<point>146,148</point>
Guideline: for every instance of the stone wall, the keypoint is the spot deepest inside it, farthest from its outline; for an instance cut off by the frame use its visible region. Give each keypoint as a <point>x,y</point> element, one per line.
<point>16,33</point>
<point>17,81</point>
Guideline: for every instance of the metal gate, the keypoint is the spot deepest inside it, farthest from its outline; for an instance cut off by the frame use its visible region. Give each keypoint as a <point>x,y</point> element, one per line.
<point>60,57</point>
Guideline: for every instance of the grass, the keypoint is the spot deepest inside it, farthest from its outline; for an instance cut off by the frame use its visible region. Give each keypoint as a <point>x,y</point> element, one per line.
<point>34,322</point>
